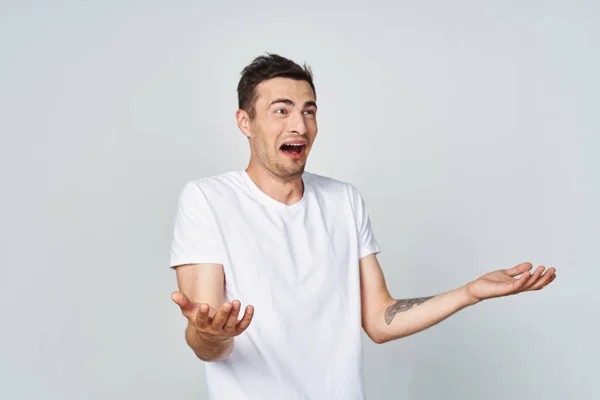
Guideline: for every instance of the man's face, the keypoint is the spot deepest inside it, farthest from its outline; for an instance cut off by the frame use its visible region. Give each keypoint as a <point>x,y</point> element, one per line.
<point>284,127</point>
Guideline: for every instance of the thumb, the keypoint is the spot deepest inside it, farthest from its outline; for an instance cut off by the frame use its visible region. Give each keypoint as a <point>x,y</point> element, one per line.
<point>183,302</point>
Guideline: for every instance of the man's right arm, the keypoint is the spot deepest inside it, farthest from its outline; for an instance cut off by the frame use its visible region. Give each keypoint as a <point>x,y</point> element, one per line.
<point>212,323</point>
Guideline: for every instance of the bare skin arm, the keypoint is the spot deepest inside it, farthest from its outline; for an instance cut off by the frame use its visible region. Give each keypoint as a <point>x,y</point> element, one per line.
<point>385,318</point>
<point>212,323</point>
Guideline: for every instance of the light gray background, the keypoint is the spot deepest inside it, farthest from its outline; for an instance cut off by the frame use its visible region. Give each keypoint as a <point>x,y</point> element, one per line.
<point>470,127</point>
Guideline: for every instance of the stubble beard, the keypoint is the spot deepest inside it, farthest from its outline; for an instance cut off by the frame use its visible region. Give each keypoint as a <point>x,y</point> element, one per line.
<point>283,169</point>
<point>293,170</point>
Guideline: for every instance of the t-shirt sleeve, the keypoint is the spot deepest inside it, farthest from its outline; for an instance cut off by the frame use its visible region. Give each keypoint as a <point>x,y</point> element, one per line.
<point>367,244</point>
<point>194,238</point>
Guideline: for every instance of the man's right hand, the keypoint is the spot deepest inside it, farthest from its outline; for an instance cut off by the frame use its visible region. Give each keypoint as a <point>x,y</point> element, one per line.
<point>211,323</point>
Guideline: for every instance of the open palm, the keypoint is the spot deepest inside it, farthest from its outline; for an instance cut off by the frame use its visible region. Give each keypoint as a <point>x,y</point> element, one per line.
<point>510,281</point>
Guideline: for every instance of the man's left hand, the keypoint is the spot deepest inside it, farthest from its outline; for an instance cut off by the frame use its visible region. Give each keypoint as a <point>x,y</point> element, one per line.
<point>506,282</point>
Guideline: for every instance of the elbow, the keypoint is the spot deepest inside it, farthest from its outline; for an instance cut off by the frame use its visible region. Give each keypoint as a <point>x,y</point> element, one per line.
<point>380,338</point>
<point>376,334</point>
<point>375,327</point>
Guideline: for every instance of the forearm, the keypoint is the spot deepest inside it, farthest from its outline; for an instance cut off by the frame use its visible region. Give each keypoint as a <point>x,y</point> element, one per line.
<point>208,348</point>
<point>400,318</point>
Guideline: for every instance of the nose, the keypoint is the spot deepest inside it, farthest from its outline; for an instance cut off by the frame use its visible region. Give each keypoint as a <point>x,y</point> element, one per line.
<point>298,124</point>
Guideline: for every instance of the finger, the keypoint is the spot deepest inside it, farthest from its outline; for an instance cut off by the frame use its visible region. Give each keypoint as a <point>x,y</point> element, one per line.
<point>183,302</point>
<point>245,321</point>
<point>519,269</point>
<point>180,299</point>
<point>518,284</point>
<point>233,317</point>
<point>202,317</point>
<point>221,316</point>
<point>534,277</point>
<point>544,280</point>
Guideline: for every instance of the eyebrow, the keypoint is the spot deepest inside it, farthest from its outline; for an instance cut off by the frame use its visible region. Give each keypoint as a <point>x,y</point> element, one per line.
<point>291,103</point>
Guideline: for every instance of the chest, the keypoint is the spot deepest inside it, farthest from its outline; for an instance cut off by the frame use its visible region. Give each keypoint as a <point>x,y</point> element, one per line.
<point>298,252</point>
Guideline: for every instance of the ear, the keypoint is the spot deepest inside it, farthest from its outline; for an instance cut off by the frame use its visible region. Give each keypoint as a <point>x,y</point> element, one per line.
<point>243,122</point>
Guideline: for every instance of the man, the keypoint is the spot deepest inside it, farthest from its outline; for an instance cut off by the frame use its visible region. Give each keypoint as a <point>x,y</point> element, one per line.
<point>277,267</point>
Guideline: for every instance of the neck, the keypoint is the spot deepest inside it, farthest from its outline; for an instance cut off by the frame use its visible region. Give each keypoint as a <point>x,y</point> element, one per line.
<point>287,191</point>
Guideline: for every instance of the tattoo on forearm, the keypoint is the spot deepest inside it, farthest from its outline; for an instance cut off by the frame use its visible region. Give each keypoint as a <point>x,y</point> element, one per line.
<point>402,305</point>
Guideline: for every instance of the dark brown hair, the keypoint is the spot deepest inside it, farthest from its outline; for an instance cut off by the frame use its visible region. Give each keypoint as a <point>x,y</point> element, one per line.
<point>267,67</point>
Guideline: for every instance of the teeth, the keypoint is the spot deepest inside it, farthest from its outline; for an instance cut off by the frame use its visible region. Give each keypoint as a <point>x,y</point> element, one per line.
<point>294,144</point>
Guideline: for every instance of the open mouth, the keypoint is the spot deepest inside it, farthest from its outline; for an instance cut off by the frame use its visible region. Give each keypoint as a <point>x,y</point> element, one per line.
<point>293,150</point>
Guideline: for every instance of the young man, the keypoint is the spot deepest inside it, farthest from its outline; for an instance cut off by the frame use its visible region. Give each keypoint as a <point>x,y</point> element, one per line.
<point>277,267</point>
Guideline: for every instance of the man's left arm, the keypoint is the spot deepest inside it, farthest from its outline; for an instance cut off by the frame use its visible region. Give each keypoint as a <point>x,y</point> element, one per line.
<point>385,318</point>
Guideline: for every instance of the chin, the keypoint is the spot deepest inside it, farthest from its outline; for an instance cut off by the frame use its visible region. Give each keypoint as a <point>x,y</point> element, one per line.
<point>290,173</point>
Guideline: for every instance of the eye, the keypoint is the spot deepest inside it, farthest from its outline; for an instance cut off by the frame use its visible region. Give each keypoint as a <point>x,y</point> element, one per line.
<point>310,112</point>
<point>280,111</point>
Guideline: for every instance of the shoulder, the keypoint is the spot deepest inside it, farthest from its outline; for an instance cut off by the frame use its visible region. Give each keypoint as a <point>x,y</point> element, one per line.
<point>225,179</point>
<point>215,182</point>
<point>200,189</point>
<point>330,186</point>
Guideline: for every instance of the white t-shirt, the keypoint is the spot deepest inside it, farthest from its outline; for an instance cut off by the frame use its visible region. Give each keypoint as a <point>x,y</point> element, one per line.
<point>298,266</point>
